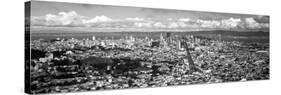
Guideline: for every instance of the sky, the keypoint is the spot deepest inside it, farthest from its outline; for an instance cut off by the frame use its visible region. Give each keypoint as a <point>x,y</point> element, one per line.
<point>90,17</point>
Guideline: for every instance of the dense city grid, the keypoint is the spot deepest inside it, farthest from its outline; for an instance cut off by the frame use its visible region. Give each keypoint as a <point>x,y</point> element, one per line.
<point>69,65</point>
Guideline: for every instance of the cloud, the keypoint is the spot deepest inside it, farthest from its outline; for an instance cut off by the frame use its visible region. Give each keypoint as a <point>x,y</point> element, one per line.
<point>64,18</point>
<point>97,19</point>
<point>173,25</point>
<point>208,23</point>
<point>37,21</point>
<point>143,24</point>
<point>230,23</point>
<point>224,23</point>
<point>72,18</point>
<point>135,19</point>
<point>184,19</point>
<point>252,23</point>
<point>159,25</point>
<point>262,19</point>
<point>177,25</point>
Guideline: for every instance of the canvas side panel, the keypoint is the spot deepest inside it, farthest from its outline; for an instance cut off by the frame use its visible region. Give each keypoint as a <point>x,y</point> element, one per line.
<point>27,47</point>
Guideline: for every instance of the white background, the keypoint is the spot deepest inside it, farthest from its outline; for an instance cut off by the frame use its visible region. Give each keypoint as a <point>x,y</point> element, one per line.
<point>12,46</point>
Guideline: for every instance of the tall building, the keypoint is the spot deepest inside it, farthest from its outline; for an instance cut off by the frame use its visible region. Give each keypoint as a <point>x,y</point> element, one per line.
<point>132,38</point>
<point>162,40</point>
<point>180,45</point>
<point>161,37</point>
<point>93,38</point>
<point>169,38</point>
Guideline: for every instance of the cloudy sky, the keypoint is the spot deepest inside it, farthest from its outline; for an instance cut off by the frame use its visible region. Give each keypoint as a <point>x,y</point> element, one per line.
<point>90,17</point>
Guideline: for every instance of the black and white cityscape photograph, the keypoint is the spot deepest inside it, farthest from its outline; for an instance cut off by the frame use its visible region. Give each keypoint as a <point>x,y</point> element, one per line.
<point>74,47</point>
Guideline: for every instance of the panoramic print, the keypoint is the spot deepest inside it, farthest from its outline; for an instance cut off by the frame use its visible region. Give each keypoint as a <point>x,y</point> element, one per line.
<point>71,47</point>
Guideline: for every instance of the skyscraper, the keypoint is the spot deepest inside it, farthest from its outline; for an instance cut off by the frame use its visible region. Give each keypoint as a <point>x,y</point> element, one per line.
<point>180,45</point>
<point>161,37</point>
<point>168,38</point>
<point>93,38</point>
